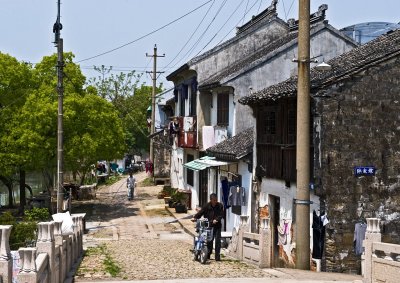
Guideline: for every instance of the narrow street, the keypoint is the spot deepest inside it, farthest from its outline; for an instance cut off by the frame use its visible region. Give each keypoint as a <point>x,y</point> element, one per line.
<point>139,238</point>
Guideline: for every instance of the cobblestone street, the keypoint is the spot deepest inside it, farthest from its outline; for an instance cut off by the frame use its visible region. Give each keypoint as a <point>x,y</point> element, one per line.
<point>143,240</point>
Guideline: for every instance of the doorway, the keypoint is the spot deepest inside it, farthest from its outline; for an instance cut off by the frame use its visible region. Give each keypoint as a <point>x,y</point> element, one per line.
<point>274,203</point>
<point>203,187</point>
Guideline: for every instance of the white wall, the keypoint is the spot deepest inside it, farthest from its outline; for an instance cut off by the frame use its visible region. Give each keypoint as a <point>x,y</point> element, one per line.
<point>233,220</point>
<point>286,194</point>
<point>177,168</point>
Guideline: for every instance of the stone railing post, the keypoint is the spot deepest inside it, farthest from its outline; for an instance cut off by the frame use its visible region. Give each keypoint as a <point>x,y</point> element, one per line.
<point>81,232</point>
<point>28,271</point>
<point>265,248</point>
<point>46,244</point>
<point>373,234</point>
<point>5,255</point>
<point>78,223</point>
<point>75,239</point>
<point>61,245</point>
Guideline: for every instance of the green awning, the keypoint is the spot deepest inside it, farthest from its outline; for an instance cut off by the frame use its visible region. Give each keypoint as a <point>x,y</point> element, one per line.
<point>204,162</point>
<point>194,165</point>
<point>149,108</point>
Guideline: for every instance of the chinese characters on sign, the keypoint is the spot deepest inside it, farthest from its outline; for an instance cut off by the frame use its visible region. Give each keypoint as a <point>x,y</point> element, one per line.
<point>364,171</point>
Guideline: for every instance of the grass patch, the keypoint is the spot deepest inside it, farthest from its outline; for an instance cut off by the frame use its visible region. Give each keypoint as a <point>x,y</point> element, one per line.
<point>147,182</point>
<point>157,212</point>
<point>107,263</point>
<point>111,266</point>
<point>112,179</point>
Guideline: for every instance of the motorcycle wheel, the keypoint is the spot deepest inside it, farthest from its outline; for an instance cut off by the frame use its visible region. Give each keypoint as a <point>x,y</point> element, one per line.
<point>204,255</point>
<point>196,254</point>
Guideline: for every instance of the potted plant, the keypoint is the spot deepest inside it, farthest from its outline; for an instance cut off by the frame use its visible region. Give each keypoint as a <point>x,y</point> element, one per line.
<point>179,201</point>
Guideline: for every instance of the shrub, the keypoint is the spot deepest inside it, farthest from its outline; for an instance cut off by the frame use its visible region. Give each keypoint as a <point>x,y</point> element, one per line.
<point>24,233</point>
<point>37,214</point>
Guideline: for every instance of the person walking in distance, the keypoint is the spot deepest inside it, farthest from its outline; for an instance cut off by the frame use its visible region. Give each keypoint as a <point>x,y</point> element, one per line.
<point>213,211</point>
<point>130,184</point>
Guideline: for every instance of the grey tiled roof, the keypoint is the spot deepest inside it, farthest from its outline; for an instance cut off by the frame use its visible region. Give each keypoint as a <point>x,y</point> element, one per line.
<point>248,60</point>
<point>235,147</point>
<point>267,52</point>
<point>358,59</point>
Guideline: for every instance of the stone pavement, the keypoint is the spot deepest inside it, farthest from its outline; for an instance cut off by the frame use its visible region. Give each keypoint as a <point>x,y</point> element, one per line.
<point>149,242</point>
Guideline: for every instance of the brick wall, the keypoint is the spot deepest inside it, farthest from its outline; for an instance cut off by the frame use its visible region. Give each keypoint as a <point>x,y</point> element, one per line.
<point>360,126</point>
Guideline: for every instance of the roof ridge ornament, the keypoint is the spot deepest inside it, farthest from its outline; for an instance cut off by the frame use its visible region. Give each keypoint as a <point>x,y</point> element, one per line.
<point>314,18</point>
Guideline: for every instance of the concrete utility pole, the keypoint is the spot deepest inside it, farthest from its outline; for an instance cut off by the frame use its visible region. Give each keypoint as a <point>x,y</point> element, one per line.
<point>60,89</point>
<point>153,103</point>
<point>303,140</point>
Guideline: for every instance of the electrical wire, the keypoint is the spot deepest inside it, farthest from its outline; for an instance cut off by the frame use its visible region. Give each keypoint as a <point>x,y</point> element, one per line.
<point>245,10</point>
<point>284,9</point>
<point>191,36</point>
<point>146,35</point>
<point>258,10</point>
<point>204,32</point>
<point>290,8</point>
<point>237,23</point>
<point>237,8</point>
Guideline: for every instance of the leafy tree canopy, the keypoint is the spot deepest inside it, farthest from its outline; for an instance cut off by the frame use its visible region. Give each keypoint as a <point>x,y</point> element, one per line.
<point>131,99</point>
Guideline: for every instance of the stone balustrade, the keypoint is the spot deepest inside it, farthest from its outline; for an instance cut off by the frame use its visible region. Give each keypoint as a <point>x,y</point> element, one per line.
<point>251,247</point>
<point>53,258</point>
<point>381,260</point>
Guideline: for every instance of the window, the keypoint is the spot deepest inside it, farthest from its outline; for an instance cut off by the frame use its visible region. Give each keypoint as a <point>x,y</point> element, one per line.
<point>223,109</point>
<point>189,172</point>
<point>291,127</point>
<point>183,96</point>
<point>270,123</point>
<point>193,98</point>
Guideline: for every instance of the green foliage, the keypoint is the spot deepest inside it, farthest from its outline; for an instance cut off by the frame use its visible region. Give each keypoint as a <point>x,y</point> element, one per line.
<point>7,218</point>
<point>37,214</point>
<point>147,182</point>
<point>92,128</point>
<point>168,191</point>
<point>131,101</point>
<point>22,234</point>
<point>112,180</point>
<point>109,264</point>
<point>178,197</point>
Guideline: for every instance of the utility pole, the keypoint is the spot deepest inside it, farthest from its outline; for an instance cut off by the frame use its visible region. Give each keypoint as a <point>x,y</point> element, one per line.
<point>303,140</point>
<point>153,103</point>
<point>58,42</point>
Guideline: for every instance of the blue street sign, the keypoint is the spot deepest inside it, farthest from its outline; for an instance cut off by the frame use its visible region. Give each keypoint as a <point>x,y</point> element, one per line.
<point>364,171</point>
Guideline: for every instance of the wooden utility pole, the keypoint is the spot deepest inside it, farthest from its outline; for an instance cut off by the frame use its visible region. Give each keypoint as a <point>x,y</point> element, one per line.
<point>303,140</point>
<point>153,103</point>
<point>60,90</point>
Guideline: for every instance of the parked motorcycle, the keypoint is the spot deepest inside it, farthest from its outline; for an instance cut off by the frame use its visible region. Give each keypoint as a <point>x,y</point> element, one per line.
<point>204,236</point>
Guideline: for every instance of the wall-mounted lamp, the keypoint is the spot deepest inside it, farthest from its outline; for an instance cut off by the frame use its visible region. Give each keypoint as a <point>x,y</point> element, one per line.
<point>323,66</point>
<point>320,67</point>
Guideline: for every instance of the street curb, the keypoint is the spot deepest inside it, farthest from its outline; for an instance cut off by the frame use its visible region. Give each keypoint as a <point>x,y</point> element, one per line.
<point>187,230</point>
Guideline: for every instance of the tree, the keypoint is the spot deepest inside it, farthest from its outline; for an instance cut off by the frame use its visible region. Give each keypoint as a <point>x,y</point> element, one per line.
<point>15,86</point>
<point>131,101</point>
<point>92,129</point>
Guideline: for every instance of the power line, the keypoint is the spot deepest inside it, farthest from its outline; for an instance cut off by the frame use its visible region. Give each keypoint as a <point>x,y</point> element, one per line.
<point>204,32</point>
<point>150,33</point>
<point>237,7</point>
<point>245,10</point>
<point>205,15</point>
<point>258,10</point>
<point>238,22</point>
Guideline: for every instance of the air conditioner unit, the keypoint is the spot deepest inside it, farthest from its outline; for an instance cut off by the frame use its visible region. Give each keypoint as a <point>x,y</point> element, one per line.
<point>220,134</point>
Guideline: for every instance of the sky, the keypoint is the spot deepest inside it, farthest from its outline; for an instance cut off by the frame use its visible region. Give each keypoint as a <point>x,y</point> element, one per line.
<point>92,27</point>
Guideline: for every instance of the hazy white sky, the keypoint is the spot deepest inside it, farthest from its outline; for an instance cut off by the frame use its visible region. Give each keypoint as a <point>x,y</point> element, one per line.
<point>91,27</point>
